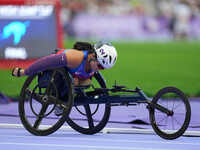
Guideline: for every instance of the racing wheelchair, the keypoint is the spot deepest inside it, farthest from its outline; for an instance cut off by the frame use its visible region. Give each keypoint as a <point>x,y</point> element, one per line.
<point>169,110</point>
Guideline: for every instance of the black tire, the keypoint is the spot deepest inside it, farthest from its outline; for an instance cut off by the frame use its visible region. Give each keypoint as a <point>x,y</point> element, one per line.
<point>91,127</point>
<point>34,123</point>
<point>180,107</point>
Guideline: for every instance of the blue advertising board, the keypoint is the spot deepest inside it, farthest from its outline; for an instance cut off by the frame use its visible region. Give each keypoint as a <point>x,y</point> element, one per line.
<point>27,31</point>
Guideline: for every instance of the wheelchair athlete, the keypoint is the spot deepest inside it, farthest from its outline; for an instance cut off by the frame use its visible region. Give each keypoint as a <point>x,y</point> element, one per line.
<point>82,61</point>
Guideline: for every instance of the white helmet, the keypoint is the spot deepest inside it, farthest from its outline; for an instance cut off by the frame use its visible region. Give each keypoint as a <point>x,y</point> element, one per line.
<point>106,54</point>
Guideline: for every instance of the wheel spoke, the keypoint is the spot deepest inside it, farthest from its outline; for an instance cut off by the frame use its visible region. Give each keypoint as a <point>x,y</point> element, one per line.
<point>56,100</point>
<point>179,113</point>
<point>173,127</point>
<point>40,116</point>
<point>89,116</point>
<point>34,95</point>
<point>177,107</point>
<point>50,84</point>
<point>177,121</point>
<point>173,105</point>
<point>161,120</point>
<point>166,121</point>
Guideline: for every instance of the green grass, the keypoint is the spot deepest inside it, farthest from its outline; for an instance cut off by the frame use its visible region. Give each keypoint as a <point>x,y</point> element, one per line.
<point>150,66</point>
<point>9,85</point>
<point>155,65</point>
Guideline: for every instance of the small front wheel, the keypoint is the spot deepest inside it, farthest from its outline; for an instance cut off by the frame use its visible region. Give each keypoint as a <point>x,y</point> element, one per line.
<point>173,124</point>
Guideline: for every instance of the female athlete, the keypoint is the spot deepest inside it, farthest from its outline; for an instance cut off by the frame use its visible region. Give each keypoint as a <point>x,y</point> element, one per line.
<point>82,61</point>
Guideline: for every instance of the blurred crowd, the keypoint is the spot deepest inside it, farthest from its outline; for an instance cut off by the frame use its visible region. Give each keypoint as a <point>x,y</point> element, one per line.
<point>178,12</point>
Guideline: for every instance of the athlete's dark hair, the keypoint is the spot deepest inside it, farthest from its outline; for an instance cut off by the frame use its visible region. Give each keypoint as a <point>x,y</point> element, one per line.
<point>84,46</point>
<point>81,46</point>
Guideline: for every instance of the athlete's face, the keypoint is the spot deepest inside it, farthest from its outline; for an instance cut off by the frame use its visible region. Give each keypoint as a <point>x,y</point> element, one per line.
<point>94,64</point>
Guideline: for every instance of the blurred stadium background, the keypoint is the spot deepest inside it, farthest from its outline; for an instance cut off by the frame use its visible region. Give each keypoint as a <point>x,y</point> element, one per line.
<point>157,40</point>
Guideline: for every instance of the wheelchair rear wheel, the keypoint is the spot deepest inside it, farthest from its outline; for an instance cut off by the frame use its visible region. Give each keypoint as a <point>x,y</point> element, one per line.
<point>38,101</point>
<point>90,118</point>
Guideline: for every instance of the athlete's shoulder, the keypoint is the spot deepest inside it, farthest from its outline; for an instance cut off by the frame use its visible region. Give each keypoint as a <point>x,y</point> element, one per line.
<point>74,57</point>
<point>74,52</point>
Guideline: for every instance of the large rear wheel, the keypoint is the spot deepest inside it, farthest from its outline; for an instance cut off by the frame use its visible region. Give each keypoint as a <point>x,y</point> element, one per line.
<point>90,118</point>
<point>39,99</point>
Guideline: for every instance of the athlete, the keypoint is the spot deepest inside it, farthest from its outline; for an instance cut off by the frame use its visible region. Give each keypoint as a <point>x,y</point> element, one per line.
<point>82,61</point>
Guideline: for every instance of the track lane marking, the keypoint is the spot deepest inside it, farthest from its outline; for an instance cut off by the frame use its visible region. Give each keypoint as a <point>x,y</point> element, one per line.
<point>104,140</point>
<point>81,146</point>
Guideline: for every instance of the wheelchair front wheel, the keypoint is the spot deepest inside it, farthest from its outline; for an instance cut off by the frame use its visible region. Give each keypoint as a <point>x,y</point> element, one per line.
<point>170,126</point>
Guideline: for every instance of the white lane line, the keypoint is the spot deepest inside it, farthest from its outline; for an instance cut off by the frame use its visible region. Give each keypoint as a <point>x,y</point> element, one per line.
<point>105,130</point>
<point>93,139</point>
<point>81,146</point>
